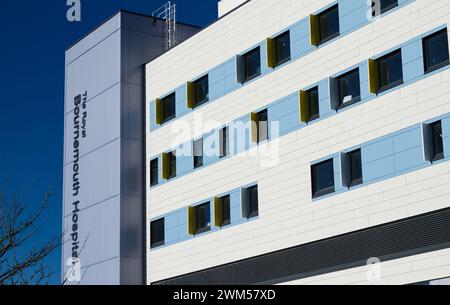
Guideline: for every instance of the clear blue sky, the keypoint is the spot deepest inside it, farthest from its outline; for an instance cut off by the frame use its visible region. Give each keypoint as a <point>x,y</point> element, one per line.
<point>34,37</point>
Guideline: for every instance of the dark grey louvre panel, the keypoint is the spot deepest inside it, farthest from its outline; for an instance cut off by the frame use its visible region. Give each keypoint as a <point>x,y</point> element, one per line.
<point>411,236</point>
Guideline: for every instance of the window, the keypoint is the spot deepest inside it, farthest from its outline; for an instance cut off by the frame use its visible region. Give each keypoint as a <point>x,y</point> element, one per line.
<point>168,104</point>
<point>157,233</point>
<point>260,122</point>
<point>349,88</point>
<point>309,105</point>
<point>172,159</point>
<point>252,65</point>
<point>322,178</point>
<point>203,218</point>
<point>438,146</point>
<point>329,24</point>
<point>201,91</point>
<point>222,211</point>
<point>198,153</point>
<point>250,202</point>
<point>154,172</point>
<point>282,48</point>
<point>353,172</point>
<point>382,6</point>
<point>313,103</point>
<point>436,51</point>
<point>224,144</point>
<point>390,71</point>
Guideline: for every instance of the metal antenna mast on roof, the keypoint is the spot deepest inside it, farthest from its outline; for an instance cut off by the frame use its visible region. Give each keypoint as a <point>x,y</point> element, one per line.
<point>168,12</point>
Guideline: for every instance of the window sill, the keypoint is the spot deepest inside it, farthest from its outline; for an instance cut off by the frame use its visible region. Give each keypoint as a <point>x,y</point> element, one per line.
<point>324,192</point>
<point>355,183</point>
<point>253,215</point>
<point>313,118</point>
<point>157,245</point>
<point>167,120</point>
<point>390,86</point>
<point>282,62</point>
<point>437,157</point>
<point>250,78</point>
<point>200,103</point>
<point>327,39</point>
<point>225,223</point>
<point>437,67</point>
<point>202,230</point>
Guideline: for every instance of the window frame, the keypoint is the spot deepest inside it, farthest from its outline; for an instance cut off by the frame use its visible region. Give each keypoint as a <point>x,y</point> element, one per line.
<point>206,227</point>
<point>325,191</point>
<point>152,162</point>
<point>172,165</point>
<point>393,84</point>
<point>164,102</point>
<point>252,212</point>
<point>332,36</point>
<point>352,180</point>
<point>437,156</point>
<point>282,61</point>
<point>259,129</point>
<point>310,102</point>
<point>197,83</point>
<point>385,9</point>
<point>246,76</point>
<point>198,160</point>
<point>354,100</point>
<point>427,68</point>
<point>226,213</point>
<point>224,144</point>
<point>158,243</point>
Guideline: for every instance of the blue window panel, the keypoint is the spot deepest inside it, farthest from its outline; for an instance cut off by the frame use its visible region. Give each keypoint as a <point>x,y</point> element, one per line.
<point>171,221</point>
<point>181,107</point>
<point>216,75</point>
<point>171,235</point>
<point>378,169</point>
<point>217,90</point>
<point>408,139</point>
<point>409,159</point>
<point>364,81</point>
<point>230,84</point>
<point>288,123</point>
<point>210,149</point>
<point>377,150</point>
<point>413,70</point>
<point>284,107</point>
<point>263,53</point>
<point>153,125</point>
<point>230,67</point>
<point>184,165</point>
<point>352,15</point>
<point>412,51</point>
<point>337,173</point>
<point>324,99</point>
<point>300,41</point>
<point>446,134</point>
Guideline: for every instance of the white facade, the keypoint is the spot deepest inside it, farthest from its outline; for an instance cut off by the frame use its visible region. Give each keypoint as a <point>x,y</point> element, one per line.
<point>288,216</point>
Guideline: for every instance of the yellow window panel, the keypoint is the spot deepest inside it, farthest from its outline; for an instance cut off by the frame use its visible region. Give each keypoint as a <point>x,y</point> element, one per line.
<point>159,111</point>
<point>190,88</point>
<point>165,166</point>
<point>304,106</point>
<point>374,81</point>
<point>192,221</point>
<point>218,212</point>
<point>271,53</point>
<point>314,30</point>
